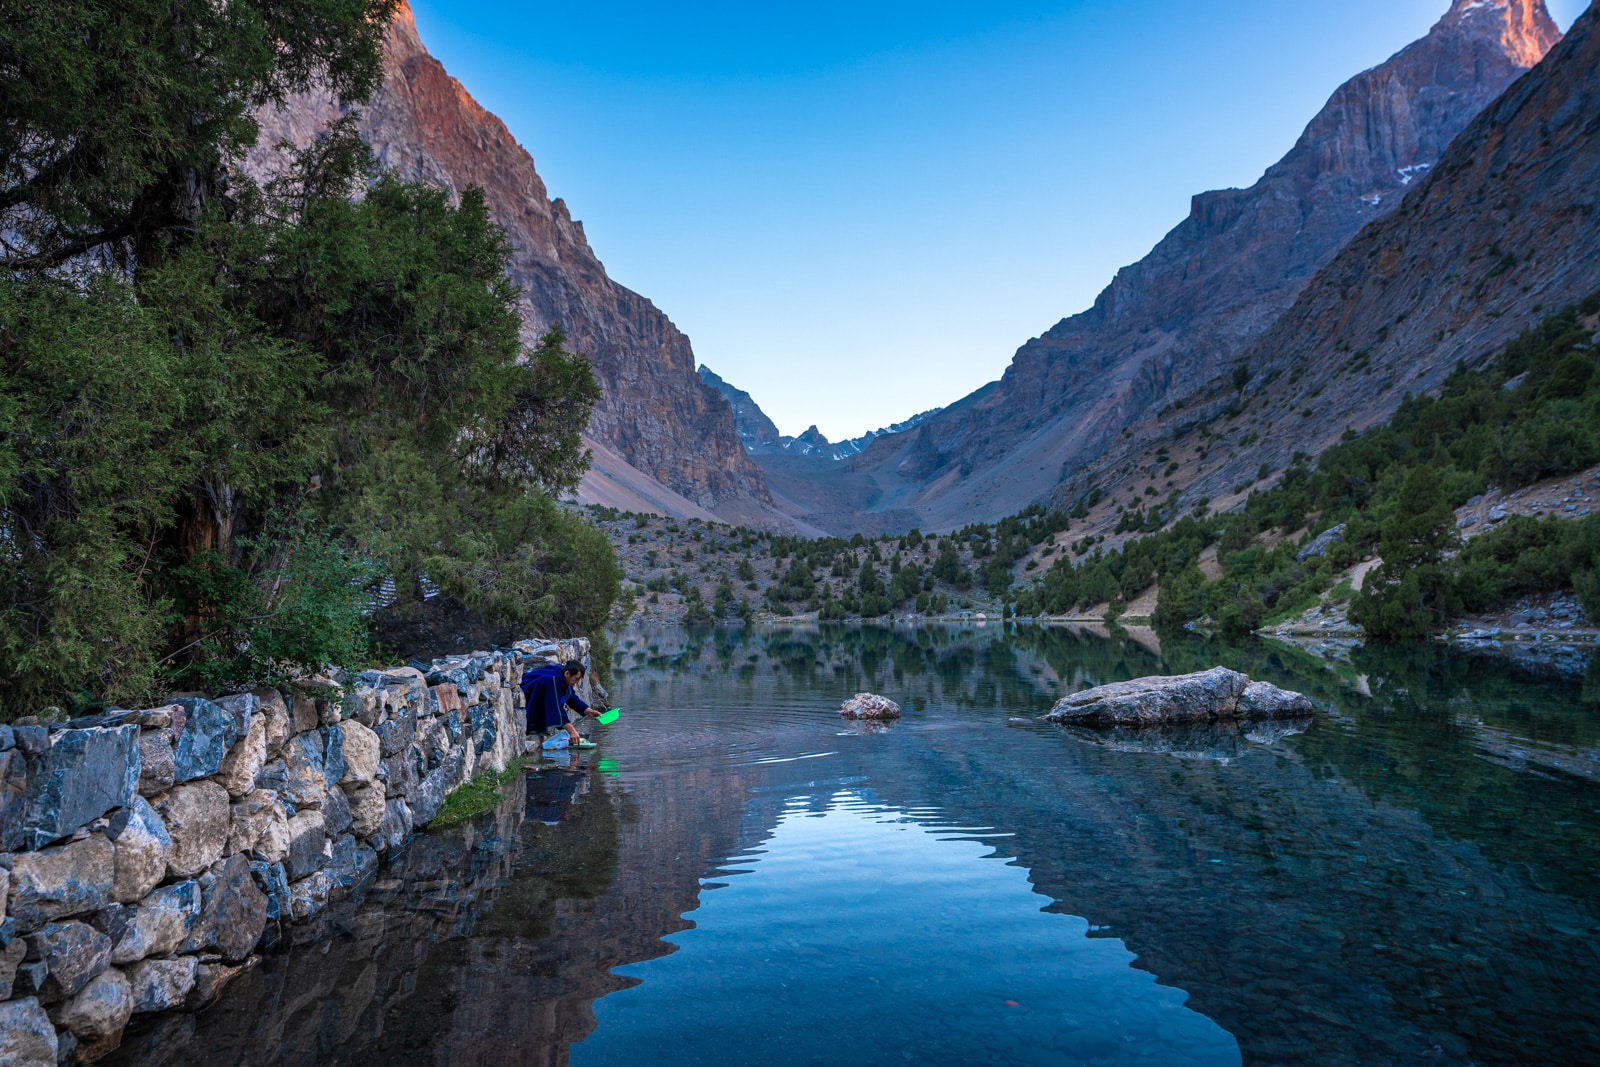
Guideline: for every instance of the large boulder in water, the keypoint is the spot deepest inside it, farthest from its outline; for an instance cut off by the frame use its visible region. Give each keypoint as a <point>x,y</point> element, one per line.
<point>870,706</point>
<point>1206,696</point>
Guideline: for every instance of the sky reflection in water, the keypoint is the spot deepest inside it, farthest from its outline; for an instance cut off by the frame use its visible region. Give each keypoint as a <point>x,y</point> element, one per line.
<point>857,933</point>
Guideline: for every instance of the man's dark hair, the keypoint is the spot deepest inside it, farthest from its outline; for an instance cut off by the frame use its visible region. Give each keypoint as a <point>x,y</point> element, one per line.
<point>572,666</point>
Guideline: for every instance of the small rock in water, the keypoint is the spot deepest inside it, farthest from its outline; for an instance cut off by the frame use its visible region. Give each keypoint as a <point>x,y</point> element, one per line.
<point>869,706</point>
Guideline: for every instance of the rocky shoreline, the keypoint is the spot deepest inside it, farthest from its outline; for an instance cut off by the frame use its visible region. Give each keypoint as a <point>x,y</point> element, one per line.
<point>148,857</point>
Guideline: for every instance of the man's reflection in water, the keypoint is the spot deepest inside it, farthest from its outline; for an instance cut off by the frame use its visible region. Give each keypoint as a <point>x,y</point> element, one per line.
<point>555,787</point>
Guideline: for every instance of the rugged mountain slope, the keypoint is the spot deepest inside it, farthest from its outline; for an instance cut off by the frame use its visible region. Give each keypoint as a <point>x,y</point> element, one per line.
<point>1175,319</point>
<point>655,416</point>
<point>1505,228</point>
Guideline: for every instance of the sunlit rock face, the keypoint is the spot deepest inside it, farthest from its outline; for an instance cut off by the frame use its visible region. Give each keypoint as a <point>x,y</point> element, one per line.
<point>654,412</point>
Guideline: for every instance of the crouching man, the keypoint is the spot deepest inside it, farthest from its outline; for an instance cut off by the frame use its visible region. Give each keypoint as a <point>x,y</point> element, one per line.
<point>551,690</point>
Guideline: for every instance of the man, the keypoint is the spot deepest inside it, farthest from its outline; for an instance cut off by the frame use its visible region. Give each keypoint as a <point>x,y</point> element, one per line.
<point>550,690</point>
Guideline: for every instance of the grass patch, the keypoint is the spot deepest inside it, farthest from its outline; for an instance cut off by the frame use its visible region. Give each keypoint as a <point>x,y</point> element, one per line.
<point>484,791</point>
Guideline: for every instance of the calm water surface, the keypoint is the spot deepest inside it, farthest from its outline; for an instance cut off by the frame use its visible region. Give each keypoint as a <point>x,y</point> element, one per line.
<point>738,877</point>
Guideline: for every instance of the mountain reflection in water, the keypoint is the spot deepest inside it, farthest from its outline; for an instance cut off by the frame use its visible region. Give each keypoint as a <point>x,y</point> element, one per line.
<point>1411,877</point>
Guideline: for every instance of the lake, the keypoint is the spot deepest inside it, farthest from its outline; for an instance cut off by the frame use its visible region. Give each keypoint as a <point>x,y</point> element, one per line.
<point>738,876</point>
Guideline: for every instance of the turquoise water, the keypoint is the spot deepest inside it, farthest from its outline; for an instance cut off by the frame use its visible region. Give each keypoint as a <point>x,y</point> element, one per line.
<point>737,876</point>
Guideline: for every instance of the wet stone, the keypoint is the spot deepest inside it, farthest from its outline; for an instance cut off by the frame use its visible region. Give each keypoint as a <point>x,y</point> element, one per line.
<point>209,731</point>
<point>85,774</point>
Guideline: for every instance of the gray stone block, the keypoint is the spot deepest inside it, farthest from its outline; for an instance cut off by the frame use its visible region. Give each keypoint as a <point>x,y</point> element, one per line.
<point>396,734</point>
<point>32,740</point>
<point>310,895</point>
<point>208,732</point>
<point>97,1015</point>
<point>7,738</point>
<point>68,879</point>
<point>73,952</point>
<point>159,924</point>
<point>302,757</point>
<point>10,959</point>
<point>243,707</point>
<point>273,881</point>
<point>336,812</point>
<point>351,866</point>
<point>160,985</point>
<point>27,1036</point>
<point>83,775</point>
<point>430,795</point>
<point>308,839</point>
<point>400,775</point>
<point>395,830</point>
<point>235,911</point>
<point>333,761</point>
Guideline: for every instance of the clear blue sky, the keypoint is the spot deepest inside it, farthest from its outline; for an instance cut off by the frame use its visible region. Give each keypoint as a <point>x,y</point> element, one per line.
<point>860,210</point>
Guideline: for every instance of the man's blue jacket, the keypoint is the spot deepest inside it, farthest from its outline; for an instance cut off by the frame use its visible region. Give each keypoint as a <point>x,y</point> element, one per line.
<point>546,690</point>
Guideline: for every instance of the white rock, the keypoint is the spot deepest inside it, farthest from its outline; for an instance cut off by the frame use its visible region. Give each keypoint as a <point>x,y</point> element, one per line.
<point>198,819</point>
<point>869,706</point>
<point>366,806</point>
<point>143,847</point>
<point>361,752</point>
<point>244,760</point>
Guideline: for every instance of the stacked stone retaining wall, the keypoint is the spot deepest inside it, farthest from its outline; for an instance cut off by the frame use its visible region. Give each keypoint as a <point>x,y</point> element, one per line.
<point>147,857</point>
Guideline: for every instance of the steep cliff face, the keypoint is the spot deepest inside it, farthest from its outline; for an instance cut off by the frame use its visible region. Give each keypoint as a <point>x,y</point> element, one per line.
<point>1504,229</point>
<point>1186,311</point>
<point>654,413</point>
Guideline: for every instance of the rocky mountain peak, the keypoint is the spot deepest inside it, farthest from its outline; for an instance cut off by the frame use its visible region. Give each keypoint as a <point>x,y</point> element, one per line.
<point>1523,28</point>
<point>1187,311</point>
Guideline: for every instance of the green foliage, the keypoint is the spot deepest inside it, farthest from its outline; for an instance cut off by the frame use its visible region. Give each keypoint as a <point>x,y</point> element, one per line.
<point>120,117</point>
<point>208,455</point>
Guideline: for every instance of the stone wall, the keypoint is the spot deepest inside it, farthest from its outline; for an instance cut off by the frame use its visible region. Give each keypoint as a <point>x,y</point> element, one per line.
<point>146,857</point>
